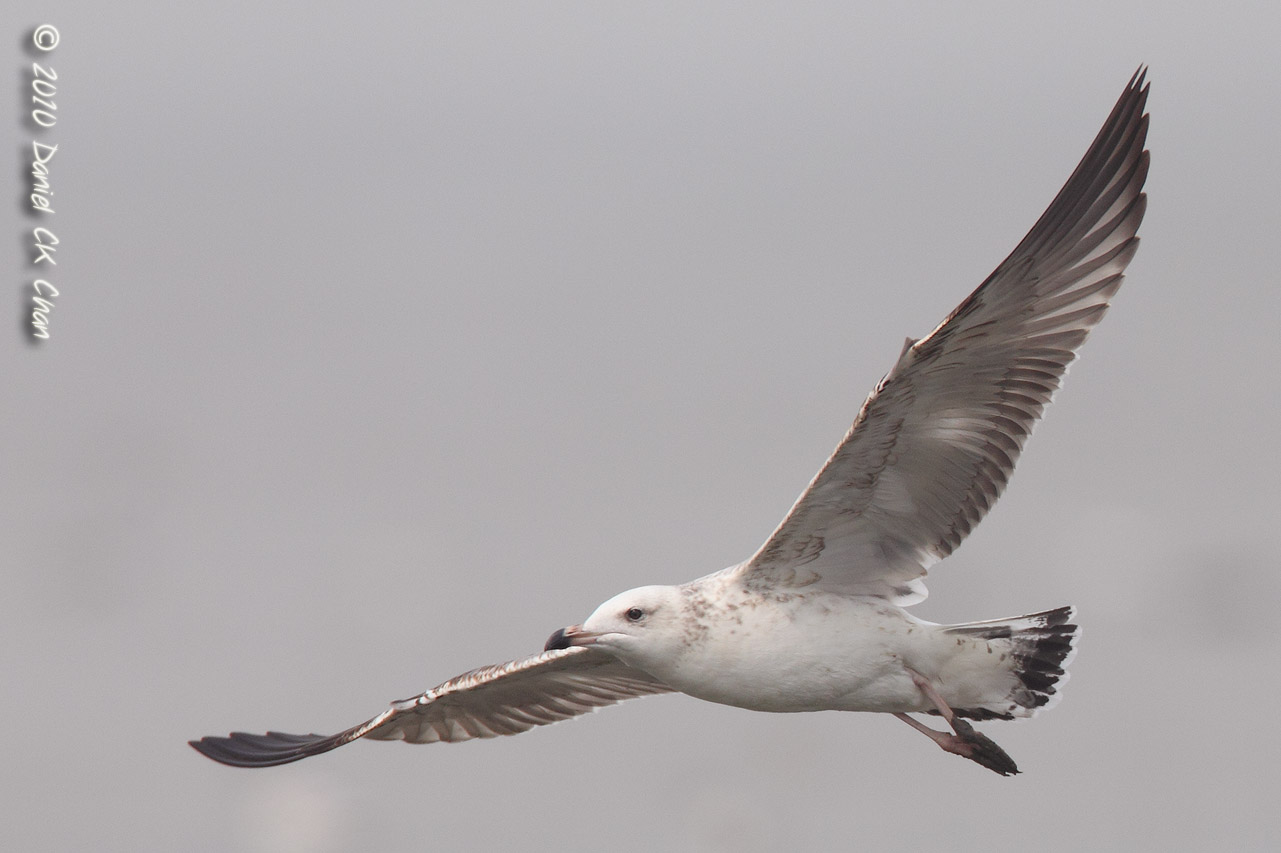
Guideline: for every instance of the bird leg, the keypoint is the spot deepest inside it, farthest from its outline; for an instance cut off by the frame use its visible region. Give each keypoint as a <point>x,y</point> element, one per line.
<point>967,742</point>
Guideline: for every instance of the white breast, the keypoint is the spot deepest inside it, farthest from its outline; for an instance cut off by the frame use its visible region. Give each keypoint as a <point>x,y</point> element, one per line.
<point>807,651</point>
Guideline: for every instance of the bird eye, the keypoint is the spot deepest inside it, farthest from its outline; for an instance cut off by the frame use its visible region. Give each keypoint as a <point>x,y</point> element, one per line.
<point>634,614</point>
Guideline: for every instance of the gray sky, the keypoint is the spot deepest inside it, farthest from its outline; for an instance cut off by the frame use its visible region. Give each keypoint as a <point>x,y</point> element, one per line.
<point>387,343</point>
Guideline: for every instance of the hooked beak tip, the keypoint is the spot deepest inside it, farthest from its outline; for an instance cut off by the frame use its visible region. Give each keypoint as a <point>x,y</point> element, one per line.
<point>557,641</point>
<point>566,637</point>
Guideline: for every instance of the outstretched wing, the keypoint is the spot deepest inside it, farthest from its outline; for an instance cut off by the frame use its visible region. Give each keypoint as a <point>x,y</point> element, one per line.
<point>935,443</point>
<point>503,699</point>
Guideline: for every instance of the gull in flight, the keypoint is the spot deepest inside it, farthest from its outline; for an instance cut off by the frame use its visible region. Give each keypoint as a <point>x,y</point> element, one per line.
<point>815,619</point>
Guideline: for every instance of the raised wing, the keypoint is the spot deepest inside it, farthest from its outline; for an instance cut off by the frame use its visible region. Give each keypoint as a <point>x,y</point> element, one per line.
<point>503,699</point>
<point>935,443</point>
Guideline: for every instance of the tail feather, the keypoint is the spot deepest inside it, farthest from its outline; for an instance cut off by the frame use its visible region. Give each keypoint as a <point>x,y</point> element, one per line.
<point>1041,647</point>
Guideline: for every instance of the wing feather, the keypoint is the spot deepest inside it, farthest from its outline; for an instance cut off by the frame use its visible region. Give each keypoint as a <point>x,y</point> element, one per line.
<point>493,701</point>
<point>935,443</point>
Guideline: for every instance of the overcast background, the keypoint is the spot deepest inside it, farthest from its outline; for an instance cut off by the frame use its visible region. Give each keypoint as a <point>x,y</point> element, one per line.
<point>390,340</point>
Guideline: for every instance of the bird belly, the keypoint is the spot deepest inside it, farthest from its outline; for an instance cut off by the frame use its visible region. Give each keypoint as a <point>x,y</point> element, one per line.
<point>818,652</point>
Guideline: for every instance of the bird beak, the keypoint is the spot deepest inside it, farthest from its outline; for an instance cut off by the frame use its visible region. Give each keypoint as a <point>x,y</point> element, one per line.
<point>574,635</point>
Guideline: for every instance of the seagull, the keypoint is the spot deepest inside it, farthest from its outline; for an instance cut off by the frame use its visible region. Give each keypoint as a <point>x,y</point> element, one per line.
<point>815,619</point>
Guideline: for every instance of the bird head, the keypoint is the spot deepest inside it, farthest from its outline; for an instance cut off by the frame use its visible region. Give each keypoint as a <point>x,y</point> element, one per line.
<point>634,626</point>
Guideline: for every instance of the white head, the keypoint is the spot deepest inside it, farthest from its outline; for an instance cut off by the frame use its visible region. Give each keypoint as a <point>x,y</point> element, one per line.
<point>642,624</point>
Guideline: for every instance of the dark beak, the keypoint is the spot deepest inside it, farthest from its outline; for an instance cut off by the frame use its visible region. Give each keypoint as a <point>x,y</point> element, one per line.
<point>574,635</point>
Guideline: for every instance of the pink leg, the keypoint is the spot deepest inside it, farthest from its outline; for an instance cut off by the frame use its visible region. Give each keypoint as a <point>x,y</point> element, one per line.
<point>967,742</point>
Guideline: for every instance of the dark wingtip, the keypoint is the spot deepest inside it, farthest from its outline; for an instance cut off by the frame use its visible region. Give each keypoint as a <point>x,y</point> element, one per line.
<point>245,750</point>
<point>1138,81</point>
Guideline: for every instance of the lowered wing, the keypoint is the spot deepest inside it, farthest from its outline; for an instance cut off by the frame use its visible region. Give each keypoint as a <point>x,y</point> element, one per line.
<point>503,699</point>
